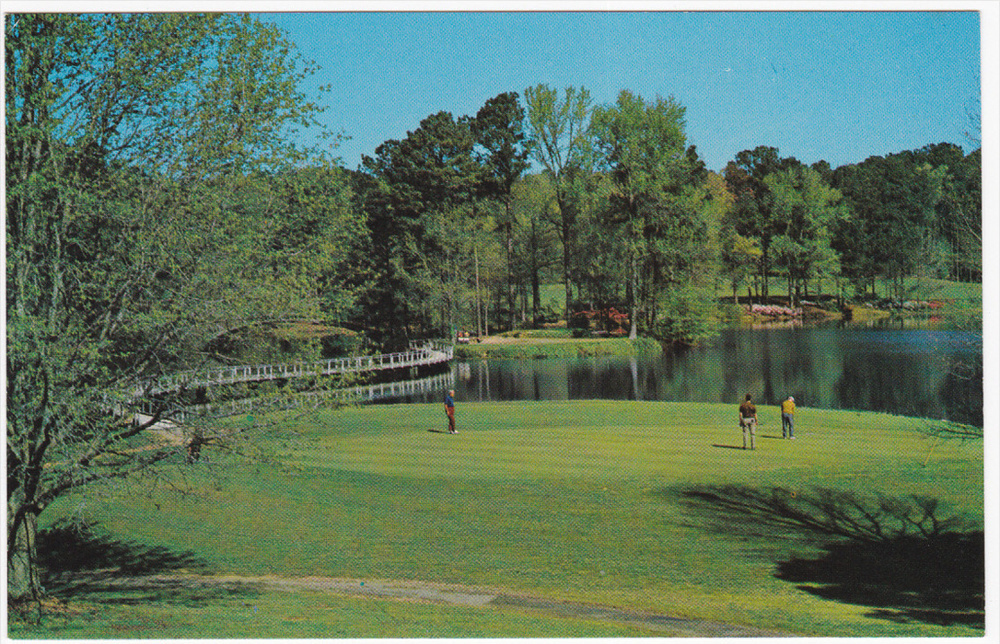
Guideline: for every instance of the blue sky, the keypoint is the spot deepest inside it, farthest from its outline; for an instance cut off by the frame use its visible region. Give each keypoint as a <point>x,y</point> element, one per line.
<point>839,86</point>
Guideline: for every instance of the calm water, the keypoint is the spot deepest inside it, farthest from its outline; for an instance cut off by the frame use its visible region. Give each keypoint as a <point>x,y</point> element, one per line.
<point>936,374</point>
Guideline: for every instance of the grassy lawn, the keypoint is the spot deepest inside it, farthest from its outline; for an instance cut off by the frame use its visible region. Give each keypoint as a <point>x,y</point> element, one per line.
<point>639,505</point>
<point>554,343</point>
<point>915,288</point>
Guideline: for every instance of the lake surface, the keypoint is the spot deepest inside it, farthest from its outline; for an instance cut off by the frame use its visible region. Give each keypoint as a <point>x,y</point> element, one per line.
<point>913,372</point>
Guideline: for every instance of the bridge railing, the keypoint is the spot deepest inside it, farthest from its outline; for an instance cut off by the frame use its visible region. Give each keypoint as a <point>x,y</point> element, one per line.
<point>420,354</point>
<point>347,396</point>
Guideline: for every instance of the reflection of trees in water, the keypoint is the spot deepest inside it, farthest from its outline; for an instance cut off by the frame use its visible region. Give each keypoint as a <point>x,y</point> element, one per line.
<point>822,368</point>
<point>961,392</point>
<point>899,555</point>
<point>591,378</point>
<point>895,383</point>
<point>687,373</point>
<point>732,371</point>
<point>773,364</point>
<point>766,367</point>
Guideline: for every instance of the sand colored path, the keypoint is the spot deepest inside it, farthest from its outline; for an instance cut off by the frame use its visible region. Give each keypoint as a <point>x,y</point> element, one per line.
<point>457,595</point>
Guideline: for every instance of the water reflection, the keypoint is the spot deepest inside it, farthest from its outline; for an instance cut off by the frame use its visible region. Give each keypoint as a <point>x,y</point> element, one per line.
<point>935,374</point>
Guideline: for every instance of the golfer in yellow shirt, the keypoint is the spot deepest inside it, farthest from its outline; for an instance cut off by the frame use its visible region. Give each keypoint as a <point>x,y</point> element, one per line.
<point>788,418</point>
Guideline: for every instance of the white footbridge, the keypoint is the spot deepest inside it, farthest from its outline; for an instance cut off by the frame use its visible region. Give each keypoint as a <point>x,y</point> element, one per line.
<point>347,396</point>
<point>422,354</point>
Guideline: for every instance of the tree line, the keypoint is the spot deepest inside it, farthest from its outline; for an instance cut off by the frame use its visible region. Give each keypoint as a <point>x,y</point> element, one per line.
<point>469,215</point>
<point>160,208</point>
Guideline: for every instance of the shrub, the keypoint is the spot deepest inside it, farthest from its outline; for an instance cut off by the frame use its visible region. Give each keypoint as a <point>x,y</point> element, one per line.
<point>687,315</point>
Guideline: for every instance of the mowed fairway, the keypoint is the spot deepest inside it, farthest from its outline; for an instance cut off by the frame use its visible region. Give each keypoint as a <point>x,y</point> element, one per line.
<point>585,502</point>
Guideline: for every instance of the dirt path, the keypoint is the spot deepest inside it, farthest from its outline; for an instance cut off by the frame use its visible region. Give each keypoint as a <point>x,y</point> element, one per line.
<point>662,625</point>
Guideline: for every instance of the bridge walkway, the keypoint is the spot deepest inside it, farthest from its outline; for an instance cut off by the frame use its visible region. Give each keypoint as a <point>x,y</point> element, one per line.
<point>419,355</point>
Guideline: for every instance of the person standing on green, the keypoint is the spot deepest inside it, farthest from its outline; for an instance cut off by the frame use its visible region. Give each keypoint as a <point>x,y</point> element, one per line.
<point>449,410</point>
<point>788,418</point>
<point>748,421</point>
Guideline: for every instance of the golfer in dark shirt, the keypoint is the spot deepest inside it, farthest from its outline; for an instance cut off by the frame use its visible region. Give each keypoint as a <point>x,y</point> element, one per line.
<point>748,421</point>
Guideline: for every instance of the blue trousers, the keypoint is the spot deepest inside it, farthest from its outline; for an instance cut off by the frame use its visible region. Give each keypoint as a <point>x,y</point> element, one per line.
<point>787,425</point>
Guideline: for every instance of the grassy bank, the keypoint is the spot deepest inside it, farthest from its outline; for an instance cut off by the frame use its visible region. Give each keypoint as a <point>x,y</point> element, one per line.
<point>914,288</point>
<point>956,305</point>
<point>645,506</point>
<point>554,343</point>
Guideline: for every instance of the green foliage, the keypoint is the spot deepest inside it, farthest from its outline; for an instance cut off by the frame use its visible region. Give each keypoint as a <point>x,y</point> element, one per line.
<point>427,232</point>
<point>499,130</point>
<point>657,198</point>
<point>138,147</point>
<point>557,129</point>
<point>753,214</point>
<point>739,257</point>
<point>687,315</point>
<point>811,210</point>
<point>534,212</point>
<point>893,200</point>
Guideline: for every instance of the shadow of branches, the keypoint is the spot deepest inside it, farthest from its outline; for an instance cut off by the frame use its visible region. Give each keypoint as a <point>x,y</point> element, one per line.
<point>897,555</point>
<point>80,562</point>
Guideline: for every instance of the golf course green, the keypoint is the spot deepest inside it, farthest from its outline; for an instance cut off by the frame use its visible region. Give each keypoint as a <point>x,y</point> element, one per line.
<point>863,526</point>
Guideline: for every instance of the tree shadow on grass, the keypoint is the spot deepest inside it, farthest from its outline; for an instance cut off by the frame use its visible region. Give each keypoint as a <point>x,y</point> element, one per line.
<point>85,564</point>
<point>896,555</point>
<point>937,580</point>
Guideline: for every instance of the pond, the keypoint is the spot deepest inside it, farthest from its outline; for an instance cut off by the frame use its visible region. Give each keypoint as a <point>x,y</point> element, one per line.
<point>913,372</point>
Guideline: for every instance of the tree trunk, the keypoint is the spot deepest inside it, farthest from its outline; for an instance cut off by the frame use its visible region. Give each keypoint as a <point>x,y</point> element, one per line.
<point>498,305</point>
<point>536,291</point>
<point>567,232</point>
<point>569,292</point>
<point>23,582</point>
<point>511,293</point>
<point>479,308</point>
<point>633,313</point>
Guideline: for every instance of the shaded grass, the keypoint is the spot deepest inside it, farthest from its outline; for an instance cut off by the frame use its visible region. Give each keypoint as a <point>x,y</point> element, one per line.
<point>569,500</point>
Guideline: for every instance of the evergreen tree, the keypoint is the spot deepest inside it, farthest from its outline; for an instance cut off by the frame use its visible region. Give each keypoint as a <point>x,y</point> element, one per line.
<point>423,194</point>
<point>498,129</point>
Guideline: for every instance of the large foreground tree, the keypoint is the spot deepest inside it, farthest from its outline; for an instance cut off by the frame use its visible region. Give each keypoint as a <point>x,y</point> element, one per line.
<point>128,139</point>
